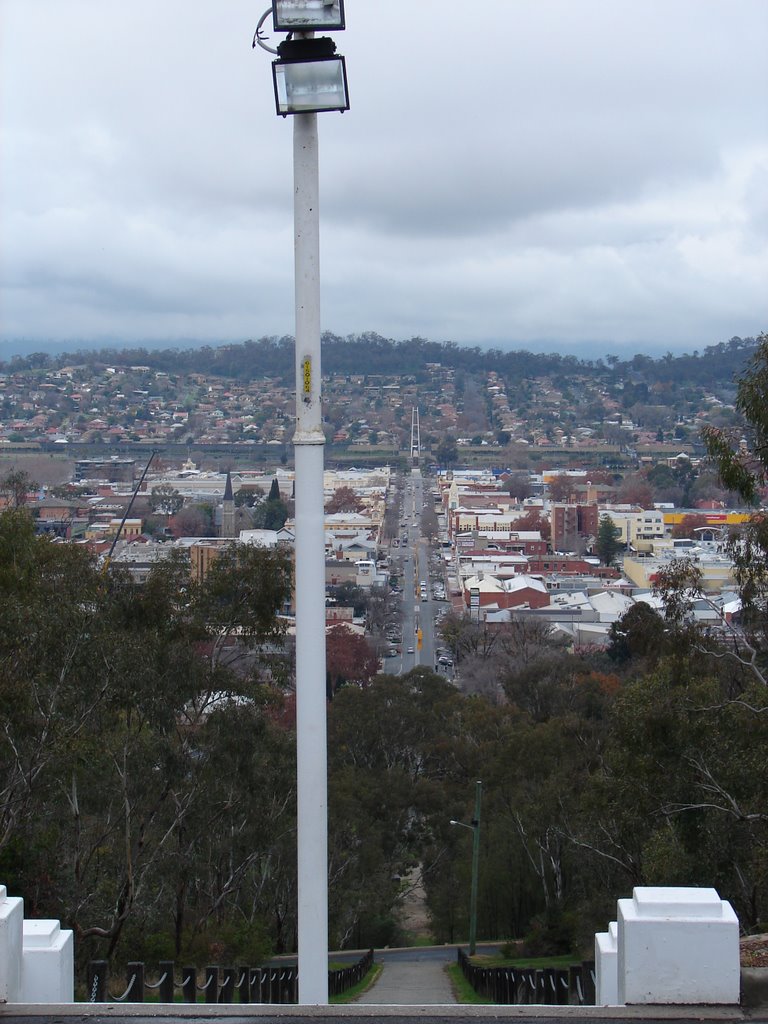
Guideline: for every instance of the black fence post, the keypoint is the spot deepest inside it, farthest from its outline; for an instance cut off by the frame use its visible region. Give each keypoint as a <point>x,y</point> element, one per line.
<point>211,984</point>
<point>501,985</point>
<point>549,993</point>
<point>189,984</point>
<point>509,986</point>
<point>228,979</point>
<point>98,971</point>
<point>257,985</point>
<point>134,979</point>
<point>521,987</point>
<point>244,985</point>
<point>166,986</point>
<point>540,994</point>
<point>561,985</point>
<point>588,977</point>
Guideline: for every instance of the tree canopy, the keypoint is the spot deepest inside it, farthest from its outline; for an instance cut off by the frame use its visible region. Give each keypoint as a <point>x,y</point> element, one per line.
<point>344,499</point>
<point>114,697</point>
<point>607,544</point>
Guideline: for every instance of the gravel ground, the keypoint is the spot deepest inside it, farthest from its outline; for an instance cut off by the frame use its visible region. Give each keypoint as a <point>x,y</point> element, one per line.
<point>754,951</point>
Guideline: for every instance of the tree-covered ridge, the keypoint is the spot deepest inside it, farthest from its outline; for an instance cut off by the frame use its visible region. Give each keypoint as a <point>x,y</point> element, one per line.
<point>371,354</point>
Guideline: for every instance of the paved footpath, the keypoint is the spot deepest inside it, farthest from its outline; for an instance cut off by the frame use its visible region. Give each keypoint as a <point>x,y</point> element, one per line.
<point>410,983</point>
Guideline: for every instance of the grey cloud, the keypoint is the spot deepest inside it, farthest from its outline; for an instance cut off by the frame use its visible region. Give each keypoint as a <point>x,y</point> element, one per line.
<point>514,171</point>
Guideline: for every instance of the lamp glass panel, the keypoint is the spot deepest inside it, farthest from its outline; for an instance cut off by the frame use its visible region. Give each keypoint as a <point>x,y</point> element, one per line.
<point>309,85</point>
<point>295,15</point>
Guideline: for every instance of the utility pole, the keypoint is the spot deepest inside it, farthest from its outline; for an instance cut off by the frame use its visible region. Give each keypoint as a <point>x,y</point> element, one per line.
<point>475,869</point>
<point>475,829</point>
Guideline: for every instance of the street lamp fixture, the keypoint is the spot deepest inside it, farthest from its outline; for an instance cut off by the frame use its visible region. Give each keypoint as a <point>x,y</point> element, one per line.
<point>475,830</point>
<point>309,77</point>
<point>307,15</point>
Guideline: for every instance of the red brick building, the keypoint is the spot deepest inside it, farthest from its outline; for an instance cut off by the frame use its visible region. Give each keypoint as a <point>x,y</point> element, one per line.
<point>571,523</point>
<point>519,591</point>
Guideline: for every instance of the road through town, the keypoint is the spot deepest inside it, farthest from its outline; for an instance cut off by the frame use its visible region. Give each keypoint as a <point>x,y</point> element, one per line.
<point>423,593</point>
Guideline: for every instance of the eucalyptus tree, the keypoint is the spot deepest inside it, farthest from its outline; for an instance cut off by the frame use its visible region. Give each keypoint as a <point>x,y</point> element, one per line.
<point>681,797</point>
<point>15,486</point>
<point>119,742</point>
<point>388,745</point>
<point>742,465</point>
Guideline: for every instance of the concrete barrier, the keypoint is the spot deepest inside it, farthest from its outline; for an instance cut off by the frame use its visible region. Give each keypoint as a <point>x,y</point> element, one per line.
<point>677,945</point>
<point>37,962</point>
<point>606,967</point>
<point>11,930</point>
<point>48,963</point>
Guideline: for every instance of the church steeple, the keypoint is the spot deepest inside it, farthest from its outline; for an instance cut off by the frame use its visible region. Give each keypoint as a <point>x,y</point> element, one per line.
<point>228,509</point>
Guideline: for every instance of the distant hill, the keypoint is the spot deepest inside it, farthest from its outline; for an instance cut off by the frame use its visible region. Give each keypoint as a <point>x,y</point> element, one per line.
<point>369,353</point>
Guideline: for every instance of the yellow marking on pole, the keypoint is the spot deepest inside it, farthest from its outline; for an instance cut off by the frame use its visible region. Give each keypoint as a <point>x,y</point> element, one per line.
<point>306,368</point>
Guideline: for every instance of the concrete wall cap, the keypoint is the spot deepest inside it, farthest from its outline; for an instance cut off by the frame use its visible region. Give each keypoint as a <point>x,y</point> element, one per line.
<point>40,934</point>
<point>656,901</point>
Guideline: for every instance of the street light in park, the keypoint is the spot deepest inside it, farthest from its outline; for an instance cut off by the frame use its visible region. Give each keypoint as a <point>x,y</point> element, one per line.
<point>309,77</point>
<point>475,828</point>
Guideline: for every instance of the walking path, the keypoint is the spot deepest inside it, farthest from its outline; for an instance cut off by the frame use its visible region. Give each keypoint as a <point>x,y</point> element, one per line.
<point>410,983</point>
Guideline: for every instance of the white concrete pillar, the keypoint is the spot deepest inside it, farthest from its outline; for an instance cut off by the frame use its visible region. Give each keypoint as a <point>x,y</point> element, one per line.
<point>11,928</point>
<point>606,966</point>
<point>677,945</point>
<point>48,963</point>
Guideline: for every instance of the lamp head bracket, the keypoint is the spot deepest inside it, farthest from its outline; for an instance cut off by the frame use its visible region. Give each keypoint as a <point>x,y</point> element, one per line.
<point>306,49</point>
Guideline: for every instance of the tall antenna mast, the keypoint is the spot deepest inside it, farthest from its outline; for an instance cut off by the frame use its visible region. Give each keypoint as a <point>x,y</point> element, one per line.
<point>415,435</point>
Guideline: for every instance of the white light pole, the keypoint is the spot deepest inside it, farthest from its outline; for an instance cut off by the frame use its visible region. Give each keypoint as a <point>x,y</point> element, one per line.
<point>311,744</point>
<point>308,78</point>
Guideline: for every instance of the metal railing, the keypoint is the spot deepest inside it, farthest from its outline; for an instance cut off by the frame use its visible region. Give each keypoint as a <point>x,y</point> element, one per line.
<point>215,984</point>
<point>574,985</point>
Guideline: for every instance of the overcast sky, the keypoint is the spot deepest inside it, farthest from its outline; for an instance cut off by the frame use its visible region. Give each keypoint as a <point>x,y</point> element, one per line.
<point>571,175</point>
